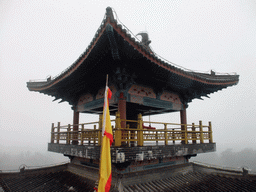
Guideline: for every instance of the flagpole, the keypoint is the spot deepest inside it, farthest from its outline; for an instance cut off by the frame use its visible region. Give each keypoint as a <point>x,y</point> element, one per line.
<point>104,107</point>
<point>107,80</point>
<point>102,134</point>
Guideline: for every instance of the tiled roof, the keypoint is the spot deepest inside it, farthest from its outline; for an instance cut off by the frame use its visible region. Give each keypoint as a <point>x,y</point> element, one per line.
<point>53,181</point>
<point>134,47</point>
<point>195,181</point>
<point>66,181</point>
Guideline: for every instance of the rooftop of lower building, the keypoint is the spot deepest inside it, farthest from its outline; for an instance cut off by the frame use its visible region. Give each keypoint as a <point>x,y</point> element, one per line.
<point>186,177</point>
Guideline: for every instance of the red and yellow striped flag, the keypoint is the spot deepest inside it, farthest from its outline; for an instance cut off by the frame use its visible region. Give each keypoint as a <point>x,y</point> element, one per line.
<point>105,158</point>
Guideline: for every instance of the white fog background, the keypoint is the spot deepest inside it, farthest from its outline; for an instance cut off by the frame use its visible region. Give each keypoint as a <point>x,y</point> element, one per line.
<point>44,37</point>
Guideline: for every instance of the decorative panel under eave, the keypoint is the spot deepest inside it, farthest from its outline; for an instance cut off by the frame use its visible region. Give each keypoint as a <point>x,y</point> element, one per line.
<point>146,96</point>
<point>87,102</point>
<point>137,93</point>
<point>173,98</point>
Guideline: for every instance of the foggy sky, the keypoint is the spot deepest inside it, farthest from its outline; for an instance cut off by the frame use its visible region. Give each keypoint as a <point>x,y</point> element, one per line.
<point>41,38</point>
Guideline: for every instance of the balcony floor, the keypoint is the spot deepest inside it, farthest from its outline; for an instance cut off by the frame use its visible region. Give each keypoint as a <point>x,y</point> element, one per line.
<point>137,153</point>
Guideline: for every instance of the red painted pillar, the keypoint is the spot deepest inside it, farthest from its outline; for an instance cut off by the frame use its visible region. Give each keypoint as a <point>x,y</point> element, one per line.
<point>183,120</point>
<point>183,116</point>
<point>122,110</point>
<point>75,128</point>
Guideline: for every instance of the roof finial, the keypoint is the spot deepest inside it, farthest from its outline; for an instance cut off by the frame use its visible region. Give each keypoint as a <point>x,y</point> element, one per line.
<point>145,40</point>
<point>109,14</point>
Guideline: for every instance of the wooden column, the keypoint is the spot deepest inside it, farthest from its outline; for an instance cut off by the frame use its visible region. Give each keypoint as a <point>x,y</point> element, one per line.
<point>75,128</point>
<point>183,120</point>
<point>122,110</point>
<point>140,130</point>
<point>118,133</point>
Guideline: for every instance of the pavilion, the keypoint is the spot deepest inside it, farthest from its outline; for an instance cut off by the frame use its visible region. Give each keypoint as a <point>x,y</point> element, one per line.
<point>142,84</point>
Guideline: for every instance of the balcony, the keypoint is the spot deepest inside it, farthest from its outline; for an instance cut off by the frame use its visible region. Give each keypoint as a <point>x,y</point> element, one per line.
<point>133,139</point>
<point>139,135</point>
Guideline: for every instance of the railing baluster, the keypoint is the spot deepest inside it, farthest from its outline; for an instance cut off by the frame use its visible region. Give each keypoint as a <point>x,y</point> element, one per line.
<point>173,136</point>
<point>68,135</point>
<point>156,137</point>
<point>201,132</point>
<point>52,135</point>
<point>100,130</point>
<point>128,134</point>
<point>165,134</point>
<point>210,132</point>
<point>58,133</point>
<point>193,133</point>
<point>82,135</point>
<point>94,135</point>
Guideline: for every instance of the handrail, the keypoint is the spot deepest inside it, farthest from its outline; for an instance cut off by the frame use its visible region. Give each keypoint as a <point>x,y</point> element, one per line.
<point>135,133</point>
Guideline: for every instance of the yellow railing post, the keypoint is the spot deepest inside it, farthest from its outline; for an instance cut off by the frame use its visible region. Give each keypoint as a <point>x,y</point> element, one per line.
<point>94,135</point>
<point>58,133</point>
<point>156,136</point>
<point>210,132</point>
<point>193,133</point>
<point>118,132</point>
<point>100,130</point>
<point>186,133</point>
<point>82,135</point>
<point>128,134</point>
<point>165,134</point>
<point>173,136</point>
<point>140,130</point>
<point>52,134</point>
<point>68,135</point>
<point>201,132</point>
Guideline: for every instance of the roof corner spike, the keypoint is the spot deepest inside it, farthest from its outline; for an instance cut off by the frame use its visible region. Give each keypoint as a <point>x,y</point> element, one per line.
<point>109,14</point>
<point>62,100</point>
<point>145,40</point>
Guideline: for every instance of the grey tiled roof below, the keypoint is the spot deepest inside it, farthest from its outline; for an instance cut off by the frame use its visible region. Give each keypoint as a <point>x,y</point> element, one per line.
<point>196,181</point>
<point>55,181</point>
<point>199,178</point>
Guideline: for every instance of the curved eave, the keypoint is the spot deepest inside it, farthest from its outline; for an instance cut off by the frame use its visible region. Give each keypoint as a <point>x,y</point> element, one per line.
<point>203,78</point>
<point>40,86</point>
<point>211,80</point>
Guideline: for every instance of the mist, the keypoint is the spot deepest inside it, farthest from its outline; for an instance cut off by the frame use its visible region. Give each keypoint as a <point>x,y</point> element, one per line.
<point>12,162</point>
<point>230,159</point>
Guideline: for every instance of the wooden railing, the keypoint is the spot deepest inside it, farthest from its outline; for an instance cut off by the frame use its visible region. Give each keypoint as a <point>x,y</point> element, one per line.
<point>136,133</point>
